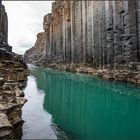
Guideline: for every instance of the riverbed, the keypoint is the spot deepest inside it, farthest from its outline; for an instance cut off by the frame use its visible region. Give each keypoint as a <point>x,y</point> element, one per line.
<point>79,106</point>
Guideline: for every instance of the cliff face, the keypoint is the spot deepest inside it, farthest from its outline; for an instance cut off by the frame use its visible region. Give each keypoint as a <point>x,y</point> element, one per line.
<point>38,52</point>
<point>5,49</point>
<point>101,34</point>
<point>12,72</point>
<point>4,23</point>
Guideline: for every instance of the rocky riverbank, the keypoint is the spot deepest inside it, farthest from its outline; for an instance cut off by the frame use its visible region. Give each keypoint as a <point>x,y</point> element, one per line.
<point>12,77</point>
<point>13,72</point>
<point>127,73</point>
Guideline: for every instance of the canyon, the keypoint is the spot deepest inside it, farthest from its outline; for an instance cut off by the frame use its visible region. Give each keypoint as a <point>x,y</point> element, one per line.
<point>13,72</point>
<point>96,37</point>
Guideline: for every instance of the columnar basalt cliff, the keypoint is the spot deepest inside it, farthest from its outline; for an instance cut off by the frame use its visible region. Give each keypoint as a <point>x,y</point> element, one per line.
<point>12,71</point>
<point>100,37</point>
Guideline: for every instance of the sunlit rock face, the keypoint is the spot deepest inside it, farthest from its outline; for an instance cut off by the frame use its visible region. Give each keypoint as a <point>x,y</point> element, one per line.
<point>101,34</point>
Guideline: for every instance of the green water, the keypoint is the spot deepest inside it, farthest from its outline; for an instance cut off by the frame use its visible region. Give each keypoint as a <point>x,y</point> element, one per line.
<point>86,107</point>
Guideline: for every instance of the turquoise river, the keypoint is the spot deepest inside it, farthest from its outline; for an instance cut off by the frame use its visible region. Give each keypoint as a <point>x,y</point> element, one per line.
<point>79,106</point>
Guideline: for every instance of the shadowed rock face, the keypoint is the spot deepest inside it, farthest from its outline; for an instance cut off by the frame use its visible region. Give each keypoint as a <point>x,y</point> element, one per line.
<point>3,23</point>
<point>102,34</point>
<point>5,49</point>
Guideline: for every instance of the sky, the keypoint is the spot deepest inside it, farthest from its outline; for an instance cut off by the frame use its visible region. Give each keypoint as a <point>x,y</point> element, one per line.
<point>25,20</point>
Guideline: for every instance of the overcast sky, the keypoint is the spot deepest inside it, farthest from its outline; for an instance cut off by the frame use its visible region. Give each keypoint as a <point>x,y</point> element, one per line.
<point>25,21</point>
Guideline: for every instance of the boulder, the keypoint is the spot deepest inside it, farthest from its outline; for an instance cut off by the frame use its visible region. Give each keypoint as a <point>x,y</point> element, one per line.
<point>5,126</point>
<point>18,92</point>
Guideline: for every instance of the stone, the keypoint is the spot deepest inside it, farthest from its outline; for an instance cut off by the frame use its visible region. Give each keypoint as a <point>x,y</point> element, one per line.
<point>138,67</point>
<point>121,76</point>
<point>134,65</point>
<point>1,81</point>
<point>18,92</point>
<point>21,101</point>
<point>5,126</point>
<point>14,116</point>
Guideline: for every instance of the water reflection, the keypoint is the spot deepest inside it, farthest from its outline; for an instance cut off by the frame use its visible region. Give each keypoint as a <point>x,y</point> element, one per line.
<point>37,121</point>
<point>86,107</point>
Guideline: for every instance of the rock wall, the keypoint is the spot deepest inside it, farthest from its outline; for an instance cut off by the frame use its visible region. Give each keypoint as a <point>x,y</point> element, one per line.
<point>3,22</point>
<point>13,71</point>
<point>5,49</point>
<point>12,99</point>
<point>100,34</point>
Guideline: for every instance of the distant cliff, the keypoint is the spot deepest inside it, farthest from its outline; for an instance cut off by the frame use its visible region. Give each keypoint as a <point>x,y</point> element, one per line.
<point>104,35</point>
<point>36,55</point>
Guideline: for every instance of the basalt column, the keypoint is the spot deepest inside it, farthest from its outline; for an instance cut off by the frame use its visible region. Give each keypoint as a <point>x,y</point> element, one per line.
<point>126,38</point>
<point>78,49</point>
<point>57,30</point>
<point>89,36</point>
<point>84,30</point>
<point>99,34</point>
<point>118,49</point>
<point>72,21</point>
<point>66,31</point>
<point>138,26</point>
<point>3,23</point>
<point>128,28</point>
<point>109,32</point>
<point>46,26</point>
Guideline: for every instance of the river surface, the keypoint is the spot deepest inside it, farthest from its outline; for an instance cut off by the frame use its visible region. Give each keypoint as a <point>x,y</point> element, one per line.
<point>79,106</point>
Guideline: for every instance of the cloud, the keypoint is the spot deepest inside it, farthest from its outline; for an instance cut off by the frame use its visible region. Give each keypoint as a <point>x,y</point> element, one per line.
<point>25,19</point>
